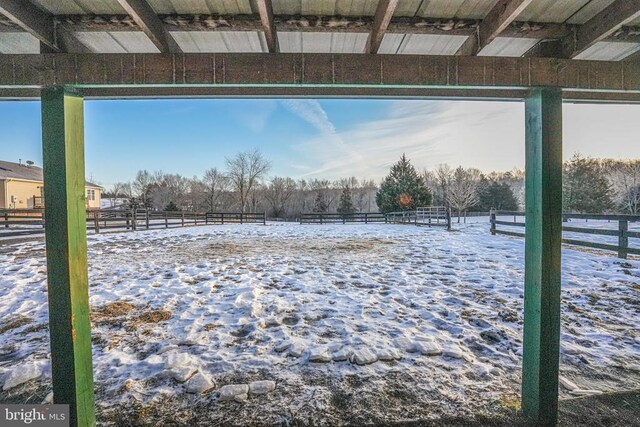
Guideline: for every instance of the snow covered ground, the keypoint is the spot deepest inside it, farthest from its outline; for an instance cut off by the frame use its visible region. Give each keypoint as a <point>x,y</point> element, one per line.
<point>351,322</point>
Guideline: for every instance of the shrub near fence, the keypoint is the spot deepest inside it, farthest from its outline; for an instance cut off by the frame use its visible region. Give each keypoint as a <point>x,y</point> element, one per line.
<point>622,232</point>
<point>25,222</point>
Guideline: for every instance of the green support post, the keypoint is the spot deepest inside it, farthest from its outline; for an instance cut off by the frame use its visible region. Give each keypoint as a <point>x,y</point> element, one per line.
<point>66,244</point>
<point>543,189</point>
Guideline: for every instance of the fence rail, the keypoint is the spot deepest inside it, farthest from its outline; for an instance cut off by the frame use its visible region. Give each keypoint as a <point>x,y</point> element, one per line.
<point>427,216</point>
<point>335,218</point>
<point>621,232</point>
<point>25,222</point>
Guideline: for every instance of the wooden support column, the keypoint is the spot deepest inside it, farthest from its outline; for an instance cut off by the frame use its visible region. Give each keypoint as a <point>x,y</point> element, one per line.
<point>66,244</point>
<point>543,194</point>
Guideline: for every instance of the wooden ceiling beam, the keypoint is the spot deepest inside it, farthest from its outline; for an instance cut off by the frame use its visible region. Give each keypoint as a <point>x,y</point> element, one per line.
<point>31,19</point>
<point>503,13</point>
<point>149,22</point>
<point>265,10</point>
<point>381,21</point>
<point>601,26</point>
<point>310,71</point>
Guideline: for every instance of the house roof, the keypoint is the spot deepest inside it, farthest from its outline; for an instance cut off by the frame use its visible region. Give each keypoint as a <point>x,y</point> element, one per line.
<point>10,170</point>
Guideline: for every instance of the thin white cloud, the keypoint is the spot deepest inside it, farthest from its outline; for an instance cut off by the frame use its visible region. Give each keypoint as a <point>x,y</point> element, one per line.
<point>253,114</point>
<point>311,112</point>
<point>368,149</point>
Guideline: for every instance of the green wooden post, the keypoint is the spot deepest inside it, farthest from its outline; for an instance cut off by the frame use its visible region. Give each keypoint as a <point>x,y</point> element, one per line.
<point>66,243</point>
<point>543,181</point>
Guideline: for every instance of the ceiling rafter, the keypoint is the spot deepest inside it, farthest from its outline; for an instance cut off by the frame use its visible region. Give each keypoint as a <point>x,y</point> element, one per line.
<point>601,26</point>
<point>31,19</point>
<point>503,13</point>
<point>381,21</point>
<point>265,10</point>
<point>149,22</point>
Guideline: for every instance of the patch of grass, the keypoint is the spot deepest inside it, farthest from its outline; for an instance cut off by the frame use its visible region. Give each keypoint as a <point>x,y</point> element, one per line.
<point>111,310</point>
<point>511,402</point>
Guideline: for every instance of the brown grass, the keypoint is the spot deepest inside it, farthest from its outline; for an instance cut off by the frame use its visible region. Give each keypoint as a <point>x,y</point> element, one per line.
<point>113,309</point>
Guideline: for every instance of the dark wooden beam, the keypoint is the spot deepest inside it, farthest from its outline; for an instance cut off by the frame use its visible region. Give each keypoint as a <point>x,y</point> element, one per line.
<point>503,13</point>
<point>381,21</point>
<point>348,71</point>
<point>27,16</point>
<point>601,26</point>
<point>152,26</point>
<point>543,193</point>
<point>265,9</point>
<point>635,57</point>
<point>190,92</point>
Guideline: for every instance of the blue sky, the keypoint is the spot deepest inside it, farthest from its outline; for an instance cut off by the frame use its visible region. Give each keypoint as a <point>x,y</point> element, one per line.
<point>308,138</point>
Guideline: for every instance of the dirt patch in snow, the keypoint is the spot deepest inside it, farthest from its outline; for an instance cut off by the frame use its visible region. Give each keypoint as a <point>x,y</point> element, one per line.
<point>152,316</point>
<point>14,322</point>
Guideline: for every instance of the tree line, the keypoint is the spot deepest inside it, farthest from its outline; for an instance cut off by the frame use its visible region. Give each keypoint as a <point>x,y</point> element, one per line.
<point>589,186</point>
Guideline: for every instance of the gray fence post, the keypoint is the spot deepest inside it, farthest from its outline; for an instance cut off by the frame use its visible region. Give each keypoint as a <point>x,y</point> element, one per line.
<point>623,238</point>
<point>492,215</point>
<point>96,222</point>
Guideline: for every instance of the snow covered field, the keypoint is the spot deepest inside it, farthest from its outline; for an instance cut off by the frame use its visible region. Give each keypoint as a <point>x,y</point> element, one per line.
<point>351,322</point>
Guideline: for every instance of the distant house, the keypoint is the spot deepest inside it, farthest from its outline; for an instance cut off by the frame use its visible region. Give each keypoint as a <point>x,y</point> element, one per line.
<point>21,187</point>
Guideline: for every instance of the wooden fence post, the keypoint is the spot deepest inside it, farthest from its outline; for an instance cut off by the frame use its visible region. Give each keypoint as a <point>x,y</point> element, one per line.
<point>96,222</point>
<point>66,244</point>
<point>543,194</point>
<point>166,220</point>
<point>182,216</point>
<point>448,219</point>
<point>134,220</point>
<point>264,218</point>
<point>146,215</point>
<point>492,216</point>
<point>623,238</point>
<point>6,220</point>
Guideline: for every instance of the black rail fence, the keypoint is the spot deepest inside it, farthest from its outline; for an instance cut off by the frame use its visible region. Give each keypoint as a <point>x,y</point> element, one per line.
<point>25,222</point>
<point>335,218</point>
<point>621,232</point>
<point>427,216</point>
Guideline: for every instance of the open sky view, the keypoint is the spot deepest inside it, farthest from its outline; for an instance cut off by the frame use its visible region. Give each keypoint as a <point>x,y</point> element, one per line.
<point>306,138</point>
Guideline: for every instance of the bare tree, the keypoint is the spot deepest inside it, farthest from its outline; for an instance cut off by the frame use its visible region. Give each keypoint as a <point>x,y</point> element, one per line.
<point>441,179</point>
<point>216,184</point>
<point>245,171</point>
<point>141,186</point>
<point>462,191</point>
<point>278,194</point>
<point>624,176</point>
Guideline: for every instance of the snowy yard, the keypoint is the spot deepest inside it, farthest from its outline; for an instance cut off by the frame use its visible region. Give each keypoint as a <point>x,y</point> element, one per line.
<point>352,322</point>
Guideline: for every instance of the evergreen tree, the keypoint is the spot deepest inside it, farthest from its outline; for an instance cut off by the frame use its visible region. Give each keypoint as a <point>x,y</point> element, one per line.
<point>320,203</point>
<point>496,195</point>
<point>345,206</point>
<point>171,207</point>
<point>402,189</point>
<point>586,188</point>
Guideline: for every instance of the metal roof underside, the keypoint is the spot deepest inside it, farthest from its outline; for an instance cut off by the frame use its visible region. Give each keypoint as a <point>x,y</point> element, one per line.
<point>578,12</point>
